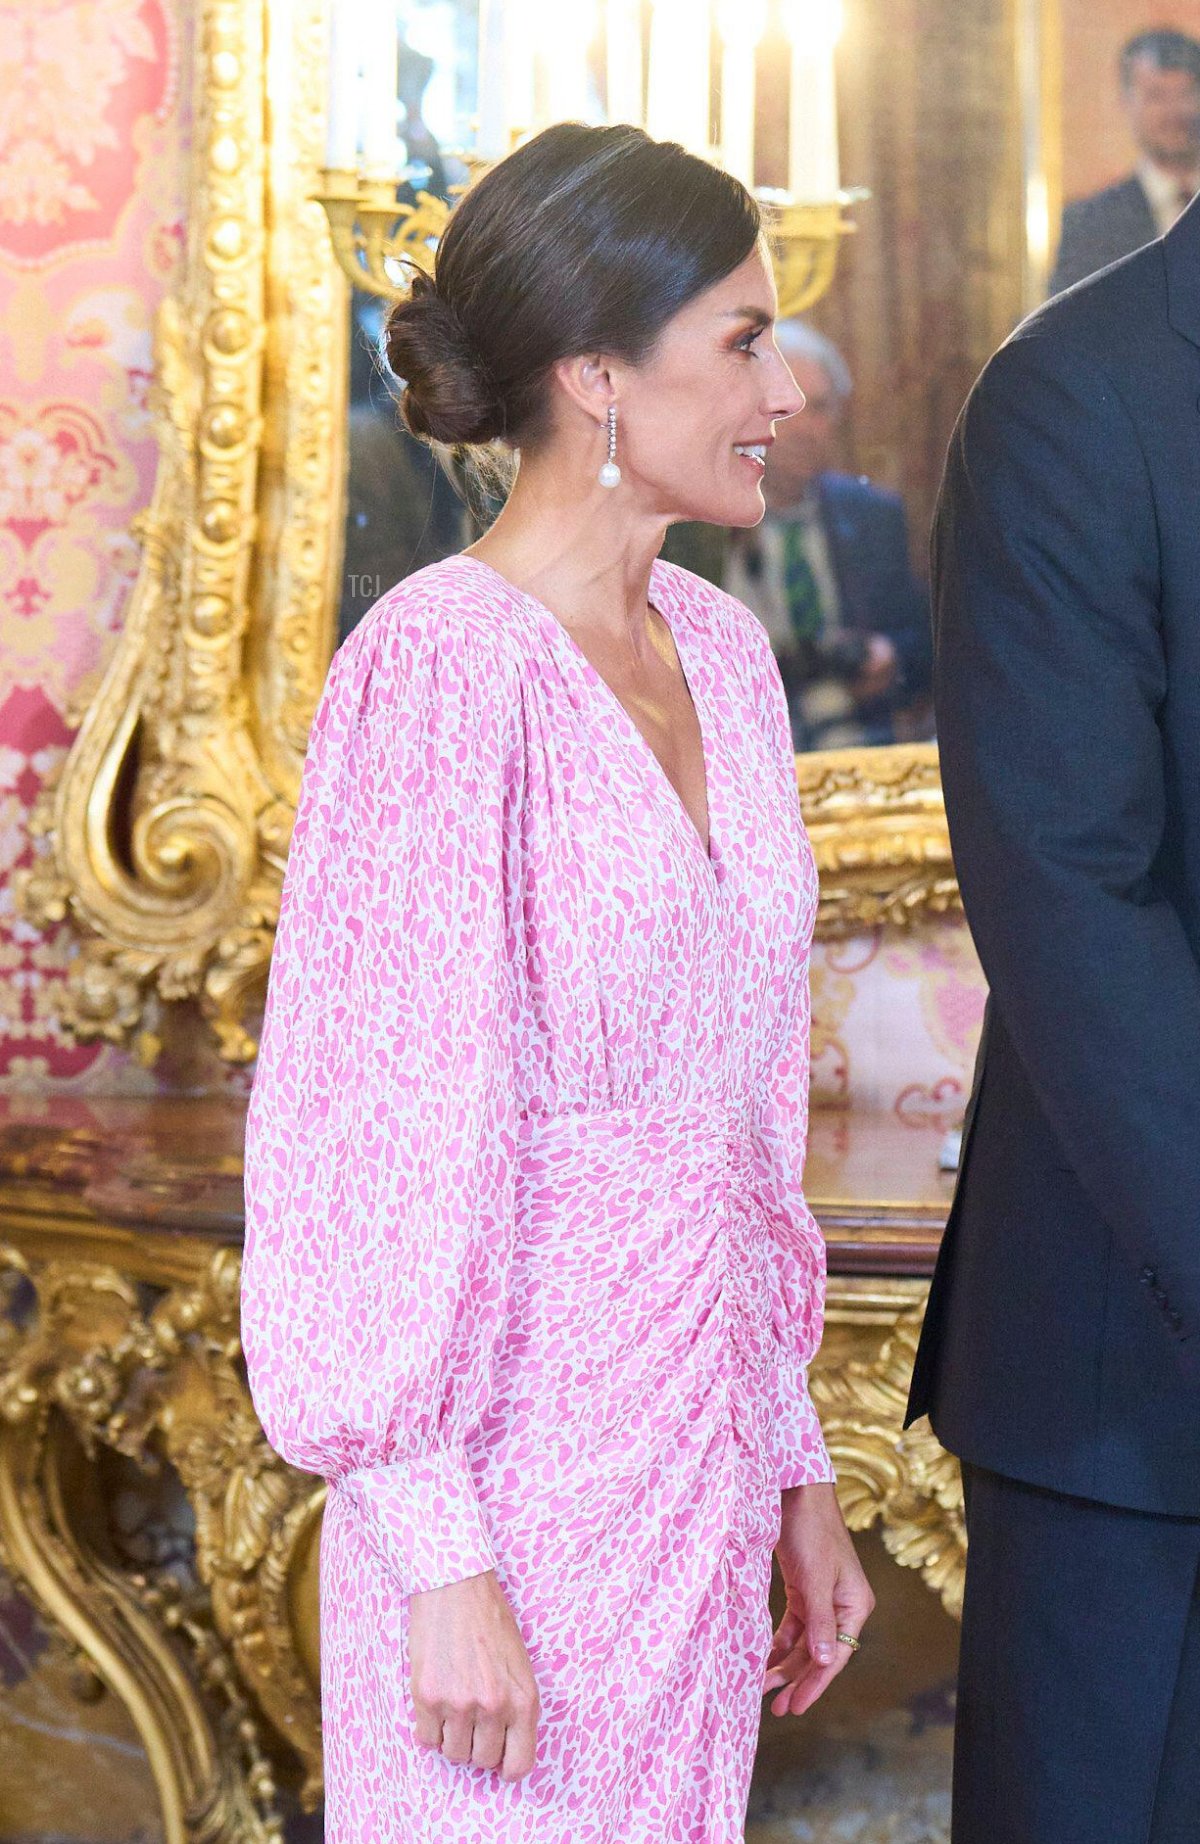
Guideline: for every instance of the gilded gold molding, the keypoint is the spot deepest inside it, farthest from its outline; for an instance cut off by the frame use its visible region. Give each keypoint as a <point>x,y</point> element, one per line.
<point>166,834</point>
<point>197,1672</point>
<point>877,822</point>
<point>903,1481</point>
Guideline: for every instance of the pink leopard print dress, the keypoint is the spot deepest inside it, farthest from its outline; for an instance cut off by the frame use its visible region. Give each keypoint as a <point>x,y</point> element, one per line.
<point>529,1275</point>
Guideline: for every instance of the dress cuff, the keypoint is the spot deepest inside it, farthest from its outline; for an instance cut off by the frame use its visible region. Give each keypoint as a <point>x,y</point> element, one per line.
<point>799,1454</point>
<point>423,1518</point>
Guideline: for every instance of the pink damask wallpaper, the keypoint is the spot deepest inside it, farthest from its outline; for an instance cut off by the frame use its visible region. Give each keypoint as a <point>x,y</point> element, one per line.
<point>92,176</point>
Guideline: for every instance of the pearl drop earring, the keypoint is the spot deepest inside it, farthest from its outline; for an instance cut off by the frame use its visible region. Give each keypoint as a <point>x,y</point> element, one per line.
<point>610,473</point>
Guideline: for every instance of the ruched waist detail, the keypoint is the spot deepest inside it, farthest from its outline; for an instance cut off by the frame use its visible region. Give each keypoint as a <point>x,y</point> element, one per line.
<point>638,1339</point>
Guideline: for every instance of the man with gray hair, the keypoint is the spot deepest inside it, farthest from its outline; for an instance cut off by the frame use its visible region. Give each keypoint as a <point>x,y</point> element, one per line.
<point>828,571</point>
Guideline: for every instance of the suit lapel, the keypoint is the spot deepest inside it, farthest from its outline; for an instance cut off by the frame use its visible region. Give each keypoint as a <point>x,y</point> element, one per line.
<point>1181,247</point>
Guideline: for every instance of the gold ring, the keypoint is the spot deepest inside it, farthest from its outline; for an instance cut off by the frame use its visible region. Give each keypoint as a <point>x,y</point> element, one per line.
<point>848,1639</point>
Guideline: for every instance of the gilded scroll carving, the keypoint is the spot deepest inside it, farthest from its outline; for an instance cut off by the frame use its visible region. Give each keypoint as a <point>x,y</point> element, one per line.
<point>199,1666</point>
<point>167,831</point>
<point>877,823</point>
<point>904,1481</point>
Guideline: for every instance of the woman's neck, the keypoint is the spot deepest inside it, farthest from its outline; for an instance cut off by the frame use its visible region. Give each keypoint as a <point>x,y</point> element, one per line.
<point>577,547</point>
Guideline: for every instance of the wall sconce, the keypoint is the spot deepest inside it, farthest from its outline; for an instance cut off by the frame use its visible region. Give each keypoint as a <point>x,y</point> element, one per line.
<point>538,63</point>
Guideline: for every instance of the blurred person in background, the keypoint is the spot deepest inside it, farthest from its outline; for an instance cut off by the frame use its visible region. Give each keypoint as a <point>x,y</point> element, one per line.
<point>828,572</point>
<point>1160,90</point>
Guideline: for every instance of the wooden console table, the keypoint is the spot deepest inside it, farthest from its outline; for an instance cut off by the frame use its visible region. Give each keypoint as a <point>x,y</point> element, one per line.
<point>120,1230</point>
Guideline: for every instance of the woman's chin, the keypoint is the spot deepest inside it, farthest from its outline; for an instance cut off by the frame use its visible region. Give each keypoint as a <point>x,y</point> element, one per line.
<point>738,510</point>
<point>751,511</point>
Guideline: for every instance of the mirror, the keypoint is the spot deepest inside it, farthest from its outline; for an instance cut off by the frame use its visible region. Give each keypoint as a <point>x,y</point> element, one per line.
<point>837,570</point>
<point>168,830</point>
<point>1130,130</point>
<point>401,510</point>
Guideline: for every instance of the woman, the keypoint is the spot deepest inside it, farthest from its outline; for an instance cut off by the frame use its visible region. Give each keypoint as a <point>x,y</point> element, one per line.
<point>529,1274</point>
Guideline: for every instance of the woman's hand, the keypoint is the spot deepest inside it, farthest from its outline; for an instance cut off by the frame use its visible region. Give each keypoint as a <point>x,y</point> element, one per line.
<point>473,1688</point>
<point>827,1594</point>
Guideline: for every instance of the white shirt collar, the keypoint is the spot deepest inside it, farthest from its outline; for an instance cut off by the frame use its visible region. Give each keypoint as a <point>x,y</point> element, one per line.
<point>1163,190</point>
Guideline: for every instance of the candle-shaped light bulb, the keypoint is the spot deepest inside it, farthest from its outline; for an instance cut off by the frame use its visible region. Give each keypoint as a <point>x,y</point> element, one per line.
<point>381,62</point>
<point>491,139</point>
<point>679,74</point>
<point>814,27</point>
<point>341,137</point>
<point>741,24</point>
<point>519,31</point>
<point>623,61</point>
<point>562,32</point>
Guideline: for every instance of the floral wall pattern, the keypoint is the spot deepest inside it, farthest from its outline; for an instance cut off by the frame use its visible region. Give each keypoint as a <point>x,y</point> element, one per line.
<point>896,1022</point>
<point>92,181</point>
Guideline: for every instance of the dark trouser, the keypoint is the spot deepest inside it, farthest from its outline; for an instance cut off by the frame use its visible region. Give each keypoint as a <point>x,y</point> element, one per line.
<point>1079,1684</point>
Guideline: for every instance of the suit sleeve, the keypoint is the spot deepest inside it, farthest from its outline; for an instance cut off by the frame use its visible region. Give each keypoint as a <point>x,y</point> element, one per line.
<point>380,1140</point>
<point>1049,678</point>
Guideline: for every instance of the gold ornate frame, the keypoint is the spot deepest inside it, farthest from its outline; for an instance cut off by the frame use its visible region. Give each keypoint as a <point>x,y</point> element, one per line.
<point>877,822</point>
<point>165,839</point>
<point>167,832</point>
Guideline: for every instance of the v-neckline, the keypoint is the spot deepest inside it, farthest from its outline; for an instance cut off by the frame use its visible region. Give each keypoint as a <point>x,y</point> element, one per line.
<point>667,789</point>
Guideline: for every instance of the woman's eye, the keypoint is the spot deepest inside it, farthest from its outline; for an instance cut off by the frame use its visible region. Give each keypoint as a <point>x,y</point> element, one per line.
<point>747,340</point>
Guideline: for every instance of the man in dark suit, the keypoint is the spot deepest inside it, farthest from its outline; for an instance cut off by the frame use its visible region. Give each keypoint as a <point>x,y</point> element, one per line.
<point>1061,1352</point>
<point>828,571</point>
<point>1160,88</point>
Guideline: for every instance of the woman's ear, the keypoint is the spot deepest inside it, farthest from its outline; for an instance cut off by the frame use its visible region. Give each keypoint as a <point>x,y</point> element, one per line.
<point>588,385</point>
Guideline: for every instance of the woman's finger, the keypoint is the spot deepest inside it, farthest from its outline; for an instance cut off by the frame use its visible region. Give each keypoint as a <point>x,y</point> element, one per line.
<point>808,1689</point>
<point>787,1697</point>
<point>785,1637</point>
<point>457,1733</point>
<point>520,1745</point>
<point>780,1665</point>
<point>821,1629</point>
<point>427,1725</point>
<point>487,1743</point>
<point>805,1675</point>
<point>786,1669</point>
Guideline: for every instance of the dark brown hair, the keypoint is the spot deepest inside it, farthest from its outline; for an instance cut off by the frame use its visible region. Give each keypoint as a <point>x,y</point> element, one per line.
<point>583,240</point>
<point>1165,50</point>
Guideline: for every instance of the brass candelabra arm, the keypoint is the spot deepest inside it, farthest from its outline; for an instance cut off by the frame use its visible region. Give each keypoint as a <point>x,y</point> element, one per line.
<point>806,239</point>
<point>378,238</point>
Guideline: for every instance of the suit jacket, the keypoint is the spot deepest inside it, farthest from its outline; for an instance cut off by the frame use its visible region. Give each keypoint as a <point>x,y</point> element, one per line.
<point>1063,1335</point>
<point>1099,230</point>
<point>867,532</point>
<point>866,528</point>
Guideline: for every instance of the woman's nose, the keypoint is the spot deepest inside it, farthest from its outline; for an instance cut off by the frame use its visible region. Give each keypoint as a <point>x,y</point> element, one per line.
<point>785,397</point>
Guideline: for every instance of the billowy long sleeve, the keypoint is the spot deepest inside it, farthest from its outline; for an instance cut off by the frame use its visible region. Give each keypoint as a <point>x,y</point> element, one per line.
<point>379,1185</point>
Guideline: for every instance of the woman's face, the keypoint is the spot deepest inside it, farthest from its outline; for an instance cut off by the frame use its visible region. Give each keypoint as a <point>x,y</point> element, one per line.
<point>696,421</point>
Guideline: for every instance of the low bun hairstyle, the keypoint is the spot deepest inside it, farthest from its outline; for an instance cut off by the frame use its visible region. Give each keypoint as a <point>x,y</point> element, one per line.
<point>583,240</point>
<point>448,396</point>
